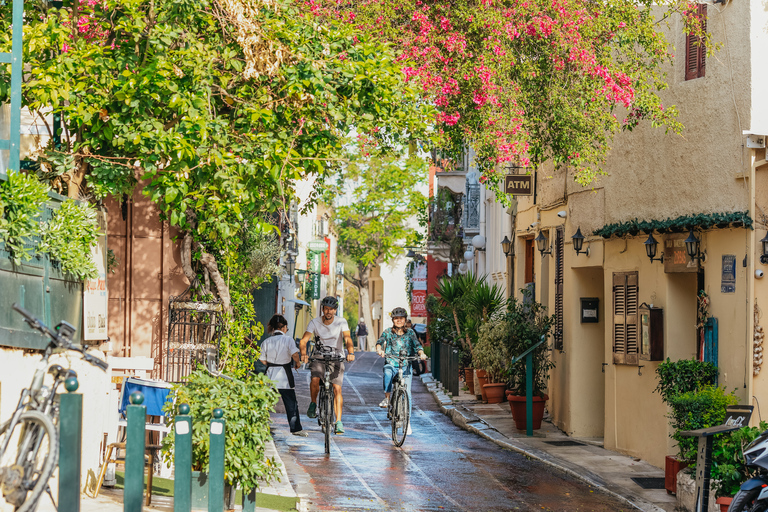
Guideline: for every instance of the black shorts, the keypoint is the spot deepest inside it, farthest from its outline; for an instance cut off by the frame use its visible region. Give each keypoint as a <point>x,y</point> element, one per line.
<point>317,369</point>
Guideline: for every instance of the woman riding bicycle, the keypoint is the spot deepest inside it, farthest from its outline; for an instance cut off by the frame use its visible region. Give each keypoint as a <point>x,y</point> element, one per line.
<point>390,344</point>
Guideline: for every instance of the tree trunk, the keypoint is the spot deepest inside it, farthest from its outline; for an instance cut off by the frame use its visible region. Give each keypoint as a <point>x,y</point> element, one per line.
<point>221,285</point>
<point>364,296</point>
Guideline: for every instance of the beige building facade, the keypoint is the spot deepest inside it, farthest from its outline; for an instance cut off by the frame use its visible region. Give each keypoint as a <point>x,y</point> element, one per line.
<point>708,177</point>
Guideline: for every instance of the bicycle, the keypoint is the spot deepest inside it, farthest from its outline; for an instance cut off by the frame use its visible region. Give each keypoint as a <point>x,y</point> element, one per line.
<point>326,396</point>
<point>29,445</point>
<point>399,402</point>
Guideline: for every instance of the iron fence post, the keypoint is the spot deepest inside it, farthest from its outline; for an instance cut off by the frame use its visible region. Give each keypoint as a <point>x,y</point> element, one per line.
<point>134,453</point>
<point>182,461</point>
<point>216,463</point>
<point>70,443</point>
<point>454,372</point>
<point>445,361</point>
<point>436,361</point>
<point>529,394</point>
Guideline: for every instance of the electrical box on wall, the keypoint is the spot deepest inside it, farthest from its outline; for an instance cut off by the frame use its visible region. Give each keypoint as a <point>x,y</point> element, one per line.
<point>755,141</point>
<point>651,333</point>
<point>589,310</point>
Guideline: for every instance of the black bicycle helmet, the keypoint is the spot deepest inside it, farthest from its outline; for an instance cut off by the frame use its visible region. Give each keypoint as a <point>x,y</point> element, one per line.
<point>329,302</point>
<point>399,312</point>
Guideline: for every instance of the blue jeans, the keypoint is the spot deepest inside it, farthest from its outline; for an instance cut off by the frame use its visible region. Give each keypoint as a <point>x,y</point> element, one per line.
<point>389,374</point>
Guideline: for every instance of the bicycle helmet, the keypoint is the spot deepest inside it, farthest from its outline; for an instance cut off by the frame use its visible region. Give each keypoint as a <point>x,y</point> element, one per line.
<point>399,312</point>
<point>329,302</point>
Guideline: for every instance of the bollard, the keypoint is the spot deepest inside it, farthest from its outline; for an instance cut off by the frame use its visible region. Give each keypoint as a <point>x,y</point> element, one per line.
<point>70,440</point>
<point>216,463</point>
<point>134,454</point>
<point>249,501</point>
<point>182,461</point>
<point>445,361</point>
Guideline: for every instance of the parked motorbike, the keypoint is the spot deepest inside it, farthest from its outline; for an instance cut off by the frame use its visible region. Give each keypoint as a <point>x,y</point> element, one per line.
<point>753,494</point>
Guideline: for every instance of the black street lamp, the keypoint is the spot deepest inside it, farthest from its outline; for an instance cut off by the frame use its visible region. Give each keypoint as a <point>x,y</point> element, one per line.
<point>578,242</point>
<point>290,265</point>
<point>506,246</point>
<point>541,243</point>
<point>650,249</point>
<point>764,256</point>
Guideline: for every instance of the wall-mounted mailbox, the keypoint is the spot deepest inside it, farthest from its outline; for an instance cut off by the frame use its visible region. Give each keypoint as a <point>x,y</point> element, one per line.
<point>589,310</point>
<point>651,333</point>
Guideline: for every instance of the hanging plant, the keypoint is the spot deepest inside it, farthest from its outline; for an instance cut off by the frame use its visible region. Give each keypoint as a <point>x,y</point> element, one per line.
<point>69,236</point>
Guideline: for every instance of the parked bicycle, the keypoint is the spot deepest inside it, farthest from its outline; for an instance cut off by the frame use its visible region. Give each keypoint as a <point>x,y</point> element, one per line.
<point>29,445</point>
<point>325,399</point>
<point>399,401</point>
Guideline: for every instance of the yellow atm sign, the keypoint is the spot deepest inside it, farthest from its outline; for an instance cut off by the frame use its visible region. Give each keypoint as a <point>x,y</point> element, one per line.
<point>518,184</point>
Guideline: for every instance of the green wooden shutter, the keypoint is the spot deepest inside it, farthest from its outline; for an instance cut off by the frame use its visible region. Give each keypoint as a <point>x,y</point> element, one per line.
<point>625,318</point>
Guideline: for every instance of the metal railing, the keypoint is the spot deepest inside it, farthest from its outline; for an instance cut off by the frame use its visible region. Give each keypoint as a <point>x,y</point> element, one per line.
<point>445,366</point>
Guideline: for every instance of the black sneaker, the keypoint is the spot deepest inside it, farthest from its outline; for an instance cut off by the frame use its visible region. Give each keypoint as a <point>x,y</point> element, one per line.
<point>312,411</point>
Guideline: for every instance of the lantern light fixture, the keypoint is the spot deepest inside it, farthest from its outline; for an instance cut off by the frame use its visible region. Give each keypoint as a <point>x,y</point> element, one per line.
<point>693,247</point>
<point>506,246</point>
<point>469,255</point>
<point>578,242</point>
<point>764,256</point>
<point>541,244</point>
<point>650,249</point>
<point>290,265</point>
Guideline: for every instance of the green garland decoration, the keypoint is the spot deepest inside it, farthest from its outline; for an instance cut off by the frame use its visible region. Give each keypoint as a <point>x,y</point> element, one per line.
<point>678,225</point>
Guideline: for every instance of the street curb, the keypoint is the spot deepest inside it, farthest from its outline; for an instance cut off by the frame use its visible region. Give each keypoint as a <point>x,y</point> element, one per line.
<point>284,482</point>
<point>472,423</point>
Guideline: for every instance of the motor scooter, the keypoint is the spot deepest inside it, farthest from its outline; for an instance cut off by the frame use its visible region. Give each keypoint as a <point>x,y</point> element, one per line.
<point>753,494</point>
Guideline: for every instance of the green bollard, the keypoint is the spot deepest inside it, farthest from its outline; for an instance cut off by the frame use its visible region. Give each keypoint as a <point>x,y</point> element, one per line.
<point>249,501</point>
<point>216,463</point>
<point>70,441</point>
<point>182,461</point>
<point>529,394</point>
<point>134,454</point>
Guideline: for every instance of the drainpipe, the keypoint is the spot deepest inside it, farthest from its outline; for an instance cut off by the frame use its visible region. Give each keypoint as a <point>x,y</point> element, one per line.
<point>481,254</point>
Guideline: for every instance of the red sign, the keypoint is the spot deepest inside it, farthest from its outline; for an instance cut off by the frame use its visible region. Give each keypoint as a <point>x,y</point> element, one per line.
<point>325,259</point>
<point>419,303</point>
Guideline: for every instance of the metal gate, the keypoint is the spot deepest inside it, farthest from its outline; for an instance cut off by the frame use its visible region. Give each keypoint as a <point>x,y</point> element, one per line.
<point>194,335</point>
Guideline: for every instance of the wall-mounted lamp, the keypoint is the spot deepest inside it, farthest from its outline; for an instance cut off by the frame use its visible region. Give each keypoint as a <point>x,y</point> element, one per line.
<point>650,249</point>
<point>578,242</point>
<point>692,247</point>
<point>764,256</point>
<point>478,242</point>
<point>290,265</point>
<point>506,246</point>
<point>541,244</point>
<point>469,255</point>
<point>463,268</point>
<point>410,254</point>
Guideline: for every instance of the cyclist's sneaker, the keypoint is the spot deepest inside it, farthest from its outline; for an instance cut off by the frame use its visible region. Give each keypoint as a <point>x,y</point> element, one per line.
<point>339,428</point>
<point>312,411</point>
<point>384,403</point>
<point>300,433</point>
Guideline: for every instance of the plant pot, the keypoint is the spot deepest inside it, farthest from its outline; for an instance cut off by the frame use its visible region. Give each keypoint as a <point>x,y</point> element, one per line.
<point>494,392</point>
<point>469,378</point>
<point>672,466</point>
<point>482,380</point>
<point>724,502</point>
<point>517,405</point>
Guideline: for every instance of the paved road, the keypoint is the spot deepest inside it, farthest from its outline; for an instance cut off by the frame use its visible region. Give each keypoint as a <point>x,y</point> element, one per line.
<point>440,466</point>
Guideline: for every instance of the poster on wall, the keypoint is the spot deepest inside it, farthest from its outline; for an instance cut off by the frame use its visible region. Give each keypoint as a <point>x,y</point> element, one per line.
<point>728,278</point>
<point>95,296</point>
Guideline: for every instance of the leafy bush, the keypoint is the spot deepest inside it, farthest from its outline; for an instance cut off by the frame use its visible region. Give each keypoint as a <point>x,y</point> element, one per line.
<point>728,468</point>
<point>69,236</point>
<point>692,410</point>
<point>22,198</point>
<point>238,348</point>
<point>246,406</point>
<point>491,352</point>
<point>677,377</point>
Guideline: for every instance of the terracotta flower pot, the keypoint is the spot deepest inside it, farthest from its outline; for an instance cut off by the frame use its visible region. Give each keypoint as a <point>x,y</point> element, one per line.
<point>517,405</point>
<point>724,502</point>
<point>469,378</point>
<point>482,379</point>
<point>494,392</point>
<point>672,467</point>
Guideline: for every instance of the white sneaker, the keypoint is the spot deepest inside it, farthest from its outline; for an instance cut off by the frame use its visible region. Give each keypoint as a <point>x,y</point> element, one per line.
<point>384,404</point>
<point>409,431</point>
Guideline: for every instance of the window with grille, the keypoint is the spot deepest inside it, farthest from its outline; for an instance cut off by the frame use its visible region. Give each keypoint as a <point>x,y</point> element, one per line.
<point>695,49</point>
<point>625,318</point>
<point>559,253</point>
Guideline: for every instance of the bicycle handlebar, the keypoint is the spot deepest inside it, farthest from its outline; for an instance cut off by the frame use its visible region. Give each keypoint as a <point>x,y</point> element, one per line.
<point>323,353</point>
<point>56,339</point>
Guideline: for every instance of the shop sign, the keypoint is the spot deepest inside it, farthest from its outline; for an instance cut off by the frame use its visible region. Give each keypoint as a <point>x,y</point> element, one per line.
<point>325,259</point>
<point>318,245</point>
<point>314,286</point>
<point>95,297</point>
<point>676,258</point>
<point>518,184</point>
<point>314,262</point>
<point>728,277</point>
<point>419,303</point>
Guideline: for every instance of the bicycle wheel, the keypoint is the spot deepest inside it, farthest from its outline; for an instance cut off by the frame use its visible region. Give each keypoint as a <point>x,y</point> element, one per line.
<point>328,420</point>
<point>400,417</point>
<point>321,407</point>
<point>29,460</point>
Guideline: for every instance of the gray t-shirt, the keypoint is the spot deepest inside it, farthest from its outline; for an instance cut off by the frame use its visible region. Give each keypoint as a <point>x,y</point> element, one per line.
<point>330,335</point>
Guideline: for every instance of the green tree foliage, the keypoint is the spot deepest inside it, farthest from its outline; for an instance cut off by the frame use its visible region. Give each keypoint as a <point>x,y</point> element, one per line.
<point>376,202</point>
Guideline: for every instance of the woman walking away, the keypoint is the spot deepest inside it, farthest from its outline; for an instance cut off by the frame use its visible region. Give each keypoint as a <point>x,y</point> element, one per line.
<point>280,354</point>
<point>362,335</point>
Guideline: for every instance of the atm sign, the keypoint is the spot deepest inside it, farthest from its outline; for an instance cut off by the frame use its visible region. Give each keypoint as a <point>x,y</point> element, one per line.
<point>518,184</point>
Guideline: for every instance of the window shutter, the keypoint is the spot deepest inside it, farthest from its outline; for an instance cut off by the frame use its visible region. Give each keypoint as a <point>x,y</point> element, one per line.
<point>625,318</point>
<point>695,51</point>
<point>559,253</point>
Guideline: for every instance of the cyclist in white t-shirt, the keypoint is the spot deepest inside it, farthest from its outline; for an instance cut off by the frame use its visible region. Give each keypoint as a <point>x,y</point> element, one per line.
<point>333,332</point>
<point>280,355</point>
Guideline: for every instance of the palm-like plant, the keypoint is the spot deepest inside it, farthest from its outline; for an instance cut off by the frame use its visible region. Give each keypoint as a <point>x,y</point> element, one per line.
<point>486,299</point>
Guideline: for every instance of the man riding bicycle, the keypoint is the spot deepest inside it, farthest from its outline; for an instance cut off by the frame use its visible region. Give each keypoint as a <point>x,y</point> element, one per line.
<point>392,341</point>
<point>333,332</point>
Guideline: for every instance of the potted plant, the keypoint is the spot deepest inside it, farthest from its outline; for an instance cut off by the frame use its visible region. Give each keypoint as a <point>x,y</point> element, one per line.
<point>729,470</point>
<point>491,355</point>
<point>527,321</point>
<point>676,378</point>
<point>246,404</point>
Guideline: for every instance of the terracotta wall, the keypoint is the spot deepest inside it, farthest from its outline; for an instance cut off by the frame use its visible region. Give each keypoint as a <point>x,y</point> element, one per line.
<point>147,275</point>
